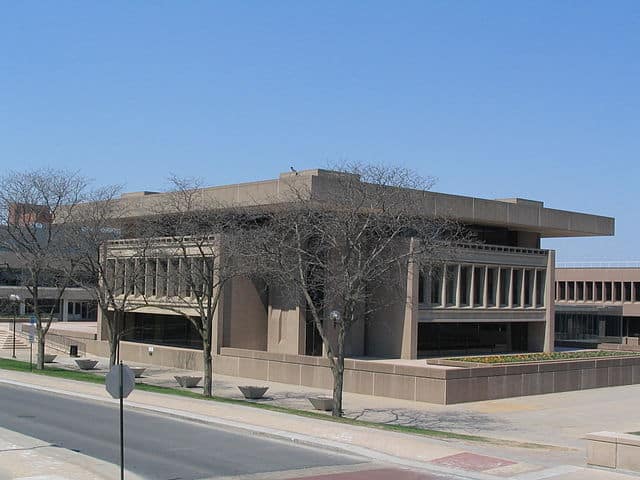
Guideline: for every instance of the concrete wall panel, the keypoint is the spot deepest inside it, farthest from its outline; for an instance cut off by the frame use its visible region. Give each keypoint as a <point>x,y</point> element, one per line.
<point>317,377</point>
<point>284,372</point>
<point>395,386</point>
<point>431,390</point>
<point>358,382</point>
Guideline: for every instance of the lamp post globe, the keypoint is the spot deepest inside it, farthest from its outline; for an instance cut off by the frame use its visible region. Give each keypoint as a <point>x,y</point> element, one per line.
<point>13,298</point>
<point>334,315</point>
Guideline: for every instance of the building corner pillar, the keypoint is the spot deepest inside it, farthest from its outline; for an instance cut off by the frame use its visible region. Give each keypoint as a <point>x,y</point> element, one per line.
<point>550,307</point>
<point>410,322</point>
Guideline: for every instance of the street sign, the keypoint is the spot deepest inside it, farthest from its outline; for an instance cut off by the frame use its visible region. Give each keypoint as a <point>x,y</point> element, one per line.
<point>112,381</point>
<point>120,382</point>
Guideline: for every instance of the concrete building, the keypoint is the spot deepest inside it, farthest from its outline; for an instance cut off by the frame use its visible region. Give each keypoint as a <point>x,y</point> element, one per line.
<point>596,304</point>
<point>496,295</point>
<point>75,304</point>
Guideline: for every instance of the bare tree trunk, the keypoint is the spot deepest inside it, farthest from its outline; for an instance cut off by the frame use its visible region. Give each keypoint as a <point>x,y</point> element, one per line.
<point>207,365</point>
<point>114,334</point>
<point>40,356</point>
<point>338,382</point>
<point>113,350</point>
<point>338,375</point>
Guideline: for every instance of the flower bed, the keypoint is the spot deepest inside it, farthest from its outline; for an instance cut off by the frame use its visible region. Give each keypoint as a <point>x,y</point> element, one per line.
<point>542,357</point>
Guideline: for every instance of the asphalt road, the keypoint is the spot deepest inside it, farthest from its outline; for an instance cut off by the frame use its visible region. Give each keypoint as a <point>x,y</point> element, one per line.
<point>157,447</point>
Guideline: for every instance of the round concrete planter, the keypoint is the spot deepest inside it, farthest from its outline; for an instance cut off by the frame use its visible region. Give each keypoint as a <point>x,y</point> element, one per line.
<point>86,363</point>
<point>138,371</point>
<point>186,381</point>
<point>49,357</point>
<point>252,392</point>
<point>322,403</point>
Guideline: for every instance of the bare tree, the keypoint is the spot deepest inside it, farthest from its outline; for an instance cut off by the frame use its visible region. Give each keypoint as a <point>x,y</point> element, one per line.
<point>197,247</point>
<point>36,207</point>
<point>95,223</point>
<point>339,249</point>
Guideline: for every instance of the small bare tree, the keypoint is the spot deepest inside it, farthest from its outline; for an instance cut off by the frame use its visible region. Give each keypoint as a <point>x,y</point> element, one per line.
<point>95,223</point>
<point>198,244</point>
<point>36,207</point>
<point>337,250</point>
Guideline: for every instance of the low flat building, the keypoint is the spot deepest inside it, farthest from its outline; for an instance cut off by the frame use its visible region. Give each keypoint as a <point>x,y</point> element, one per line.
<point>75,304</point>
<point>597,304</point>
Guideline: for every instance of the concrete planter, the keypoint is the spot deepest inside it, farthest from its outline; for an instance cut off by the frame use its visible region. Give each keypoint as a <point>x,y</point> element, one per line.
<point>138,371</point>
<point>324,404</point>
<point>86,363</point>
<point>252,392</point>
<point>186,381</point>
<point>614,450</point>
<point>49,357</point>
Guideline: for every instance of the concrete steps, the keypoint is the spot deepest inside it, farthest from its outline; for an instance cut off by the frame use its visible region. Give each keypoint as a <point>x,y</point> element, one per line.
<point>6,341</point>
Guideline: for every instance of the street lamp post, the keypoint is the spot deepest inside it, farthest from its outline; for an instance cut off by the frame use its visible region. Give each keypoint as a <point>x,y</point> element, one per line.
<point>335,316</point>
<point>13,298</point>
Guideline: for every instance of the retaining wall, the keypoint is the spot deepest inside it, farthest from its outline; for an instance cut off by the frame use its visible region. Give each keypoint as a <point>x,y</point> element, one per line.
<point>433,384</point>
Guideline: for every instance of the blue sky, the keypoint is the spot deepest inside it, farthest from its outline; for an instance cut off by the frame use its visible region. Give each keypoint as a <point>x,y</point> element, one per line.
<point>495,98</point>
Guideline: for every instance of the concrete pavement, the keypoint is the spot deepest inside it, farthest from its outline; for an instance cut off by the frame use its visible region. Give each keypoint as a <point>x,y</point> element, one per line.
<point>27,458</point>
<point>435,456</point>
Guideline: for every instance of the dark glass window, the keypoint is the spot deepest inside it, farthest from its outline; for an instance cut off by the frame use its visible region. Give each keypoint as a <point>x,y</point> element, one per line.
<point>618,291</point>
<point>172,330</point>
<point>505,275</point>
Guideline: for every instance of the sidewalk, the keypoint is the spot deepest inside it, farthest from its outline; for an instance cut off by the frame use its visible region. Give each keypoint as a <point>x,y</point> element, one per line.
<point>26,458</point>
<point>475,461</point>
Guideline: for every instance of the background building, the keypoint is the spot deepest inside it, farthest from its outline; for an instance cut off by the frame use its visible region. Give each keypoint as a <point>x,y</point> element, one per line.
<point>597,304</point>
<point>75,304</point>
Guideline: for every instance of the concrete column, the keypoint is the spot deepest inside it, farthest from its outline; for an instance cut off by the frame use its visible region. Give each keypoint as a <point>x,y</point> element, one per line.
<point>410,328</point>
<point>510,299</point>
<point>458,285</point>
<point>125,280</point>
<point>101,329</point>
<point>217,330</point>
<point>523,287</point>
<point>22,308</point>
<point>485,292</point>
<point>534,297</point>
<point>65,310</point>
<point>498,286</point>
<point>443,287</point>
<point>550,320</point>
<point>472,299</point>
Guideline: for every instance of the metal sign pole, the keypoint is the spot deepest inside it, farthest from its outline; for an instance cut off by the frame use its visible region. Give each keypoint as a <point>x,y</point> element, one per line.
<point>120,382</point>
<point>121,426</point>
<point>31,356</point>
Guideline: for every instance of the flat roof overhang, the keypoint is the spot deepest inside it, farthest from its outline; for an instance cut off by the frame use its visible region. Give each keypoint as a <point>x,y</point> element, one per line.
<point>514,213</point>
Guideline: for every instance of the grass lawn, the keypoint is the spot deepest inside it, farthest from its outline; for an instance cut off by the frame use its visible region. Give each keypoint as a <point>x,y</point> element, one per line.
<point>16,365</point>
<point>541,357</point>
